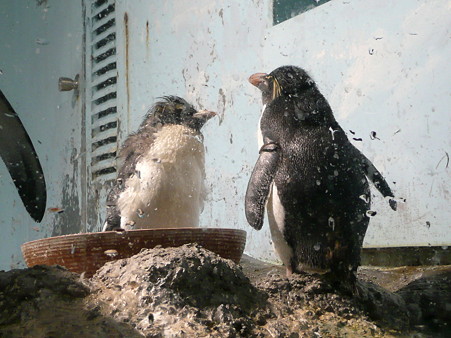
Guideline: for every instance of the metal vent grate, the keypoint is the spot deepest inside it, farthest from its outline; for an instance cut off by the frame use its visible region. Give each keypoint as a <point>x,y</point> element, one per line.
<point>104,117</point>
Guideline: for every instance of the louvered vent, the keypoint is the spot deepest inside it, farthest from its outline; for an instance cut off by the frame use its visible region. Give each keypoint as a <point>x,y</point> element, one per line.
<point>103,73</point>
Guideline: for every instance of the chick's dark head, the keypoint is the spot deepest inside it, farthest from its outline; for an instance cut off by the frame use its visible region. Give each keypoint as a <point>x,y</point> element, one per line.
<point>175,110</point>
<point>285,80</point>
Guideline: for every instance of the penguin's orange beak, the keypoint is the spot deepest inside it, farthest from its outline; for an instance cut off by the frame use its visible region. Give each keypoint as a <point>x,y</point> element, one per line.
<point>258,79</point>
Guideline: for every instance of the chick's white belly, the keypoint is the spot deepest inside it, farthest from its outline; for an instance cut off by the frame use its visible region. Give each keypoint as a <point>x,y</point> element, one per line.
<point>167,189</point>
<point>165,195</point>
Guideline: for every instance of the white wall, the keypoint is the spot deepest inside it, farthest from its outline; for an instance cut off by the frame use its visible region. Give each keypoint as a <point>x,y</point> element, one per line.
<point>381,64</point>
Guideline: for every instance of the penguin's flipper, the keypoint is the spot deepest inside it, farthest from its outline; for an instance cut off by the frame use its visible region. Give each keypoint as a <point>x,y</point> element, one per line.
<point>113,216</point>
<point>376,177</point>
<point>17,151</point>
<point>259,184</point>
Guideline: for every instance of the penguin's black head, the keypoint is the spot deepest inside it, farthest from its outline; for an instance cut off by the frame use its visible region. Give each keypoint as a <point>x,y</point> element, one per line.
<point>285,80</point>
<point>175,110</point>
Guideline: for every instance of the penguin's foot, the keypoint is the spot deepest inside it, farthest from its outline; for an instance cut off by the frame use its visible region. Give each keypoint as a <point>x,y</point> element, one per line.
<point>344,282</point>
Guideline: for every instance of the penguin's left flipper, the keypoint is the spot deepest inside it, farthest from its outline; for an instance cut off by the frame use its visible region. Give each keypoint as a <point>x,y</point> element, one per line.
<point>376,178</point>
<point>22,161</point>
<point>260,182</point>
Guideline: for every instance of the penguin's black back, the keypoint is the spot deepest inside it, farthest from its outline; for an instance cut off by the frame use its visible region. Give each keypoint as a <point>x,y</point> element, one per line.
<point>321,185</point>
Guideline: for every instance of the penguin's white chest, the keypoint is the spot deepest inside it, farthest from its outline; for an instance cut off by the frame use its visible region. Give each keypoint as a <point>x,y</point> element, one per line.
<point>167,189</point>
<point>276,220</point>
<point>259,131</point>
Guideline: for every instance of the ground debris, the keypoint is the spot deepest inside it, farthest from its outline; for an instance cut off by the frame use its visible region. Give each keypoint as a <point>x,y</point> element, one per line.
<point>186,290</point>
<point>191,292</point>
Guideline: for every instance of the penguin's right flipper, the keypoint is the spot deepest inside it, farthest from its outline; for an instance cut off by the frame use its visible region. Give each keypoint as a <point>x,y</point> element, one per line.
<point>259,184</point>
<point>376,178</point>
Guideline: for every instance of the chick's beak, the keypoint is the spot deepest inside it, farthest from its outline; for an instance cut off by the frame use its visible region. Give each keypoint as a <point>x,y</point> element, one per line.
<point>259,80</point>
<point>204,114</point>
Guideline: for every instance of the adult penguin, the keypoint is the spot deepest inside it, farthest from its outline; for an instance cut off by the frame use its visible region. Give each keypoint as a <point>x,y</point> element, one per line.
<point>311,178</point>
<point>161,174</point>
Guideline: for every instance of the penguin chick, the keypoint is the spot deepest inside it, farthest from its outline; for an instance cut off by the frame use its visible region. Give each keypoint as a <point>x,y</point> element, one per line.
<point>161,172</point>
<point>311,179</point>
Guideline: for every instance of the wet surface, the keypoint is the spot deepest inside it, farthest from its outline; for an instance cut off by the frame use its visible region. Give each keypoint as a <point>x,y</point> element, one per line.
<point>189,291</point>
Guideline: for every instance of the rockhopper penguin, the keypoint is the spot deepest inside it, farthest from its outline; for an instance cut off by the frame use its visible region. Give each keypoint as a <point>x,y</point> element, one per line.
<point>312,180</point>
<point>160,181</point>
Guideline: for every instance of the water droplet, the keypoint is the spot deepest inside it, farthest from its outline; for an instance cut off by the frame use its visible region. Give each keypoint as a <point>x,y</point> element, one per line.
<point>130,223</point>
<point>42,42</point>
<point>331,222</point>
<point>72,249</point>
<point>335,172</point>
<point>140,213</point>
<point>364,198</point>
<point>373,135</point>
<point>371,213</point>
<point>318,182</point>
<point>1,72</point>
<point>111,253</point>
<point>317,246</point>
<point>156,160</point>
<point>332,132</point>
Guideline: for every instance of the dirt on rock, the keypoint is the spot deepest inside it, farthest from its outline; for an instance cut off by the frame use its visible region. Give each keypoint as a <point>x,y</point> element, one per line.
<point>191,292</point>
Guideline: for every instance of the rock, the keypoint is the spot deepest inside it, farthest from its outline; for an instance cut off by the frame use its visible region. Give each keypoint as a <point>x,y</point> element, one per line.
<point>191,292</point>
<point>48,301</point>
<point>429,301</point>
<point>185,289</point>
